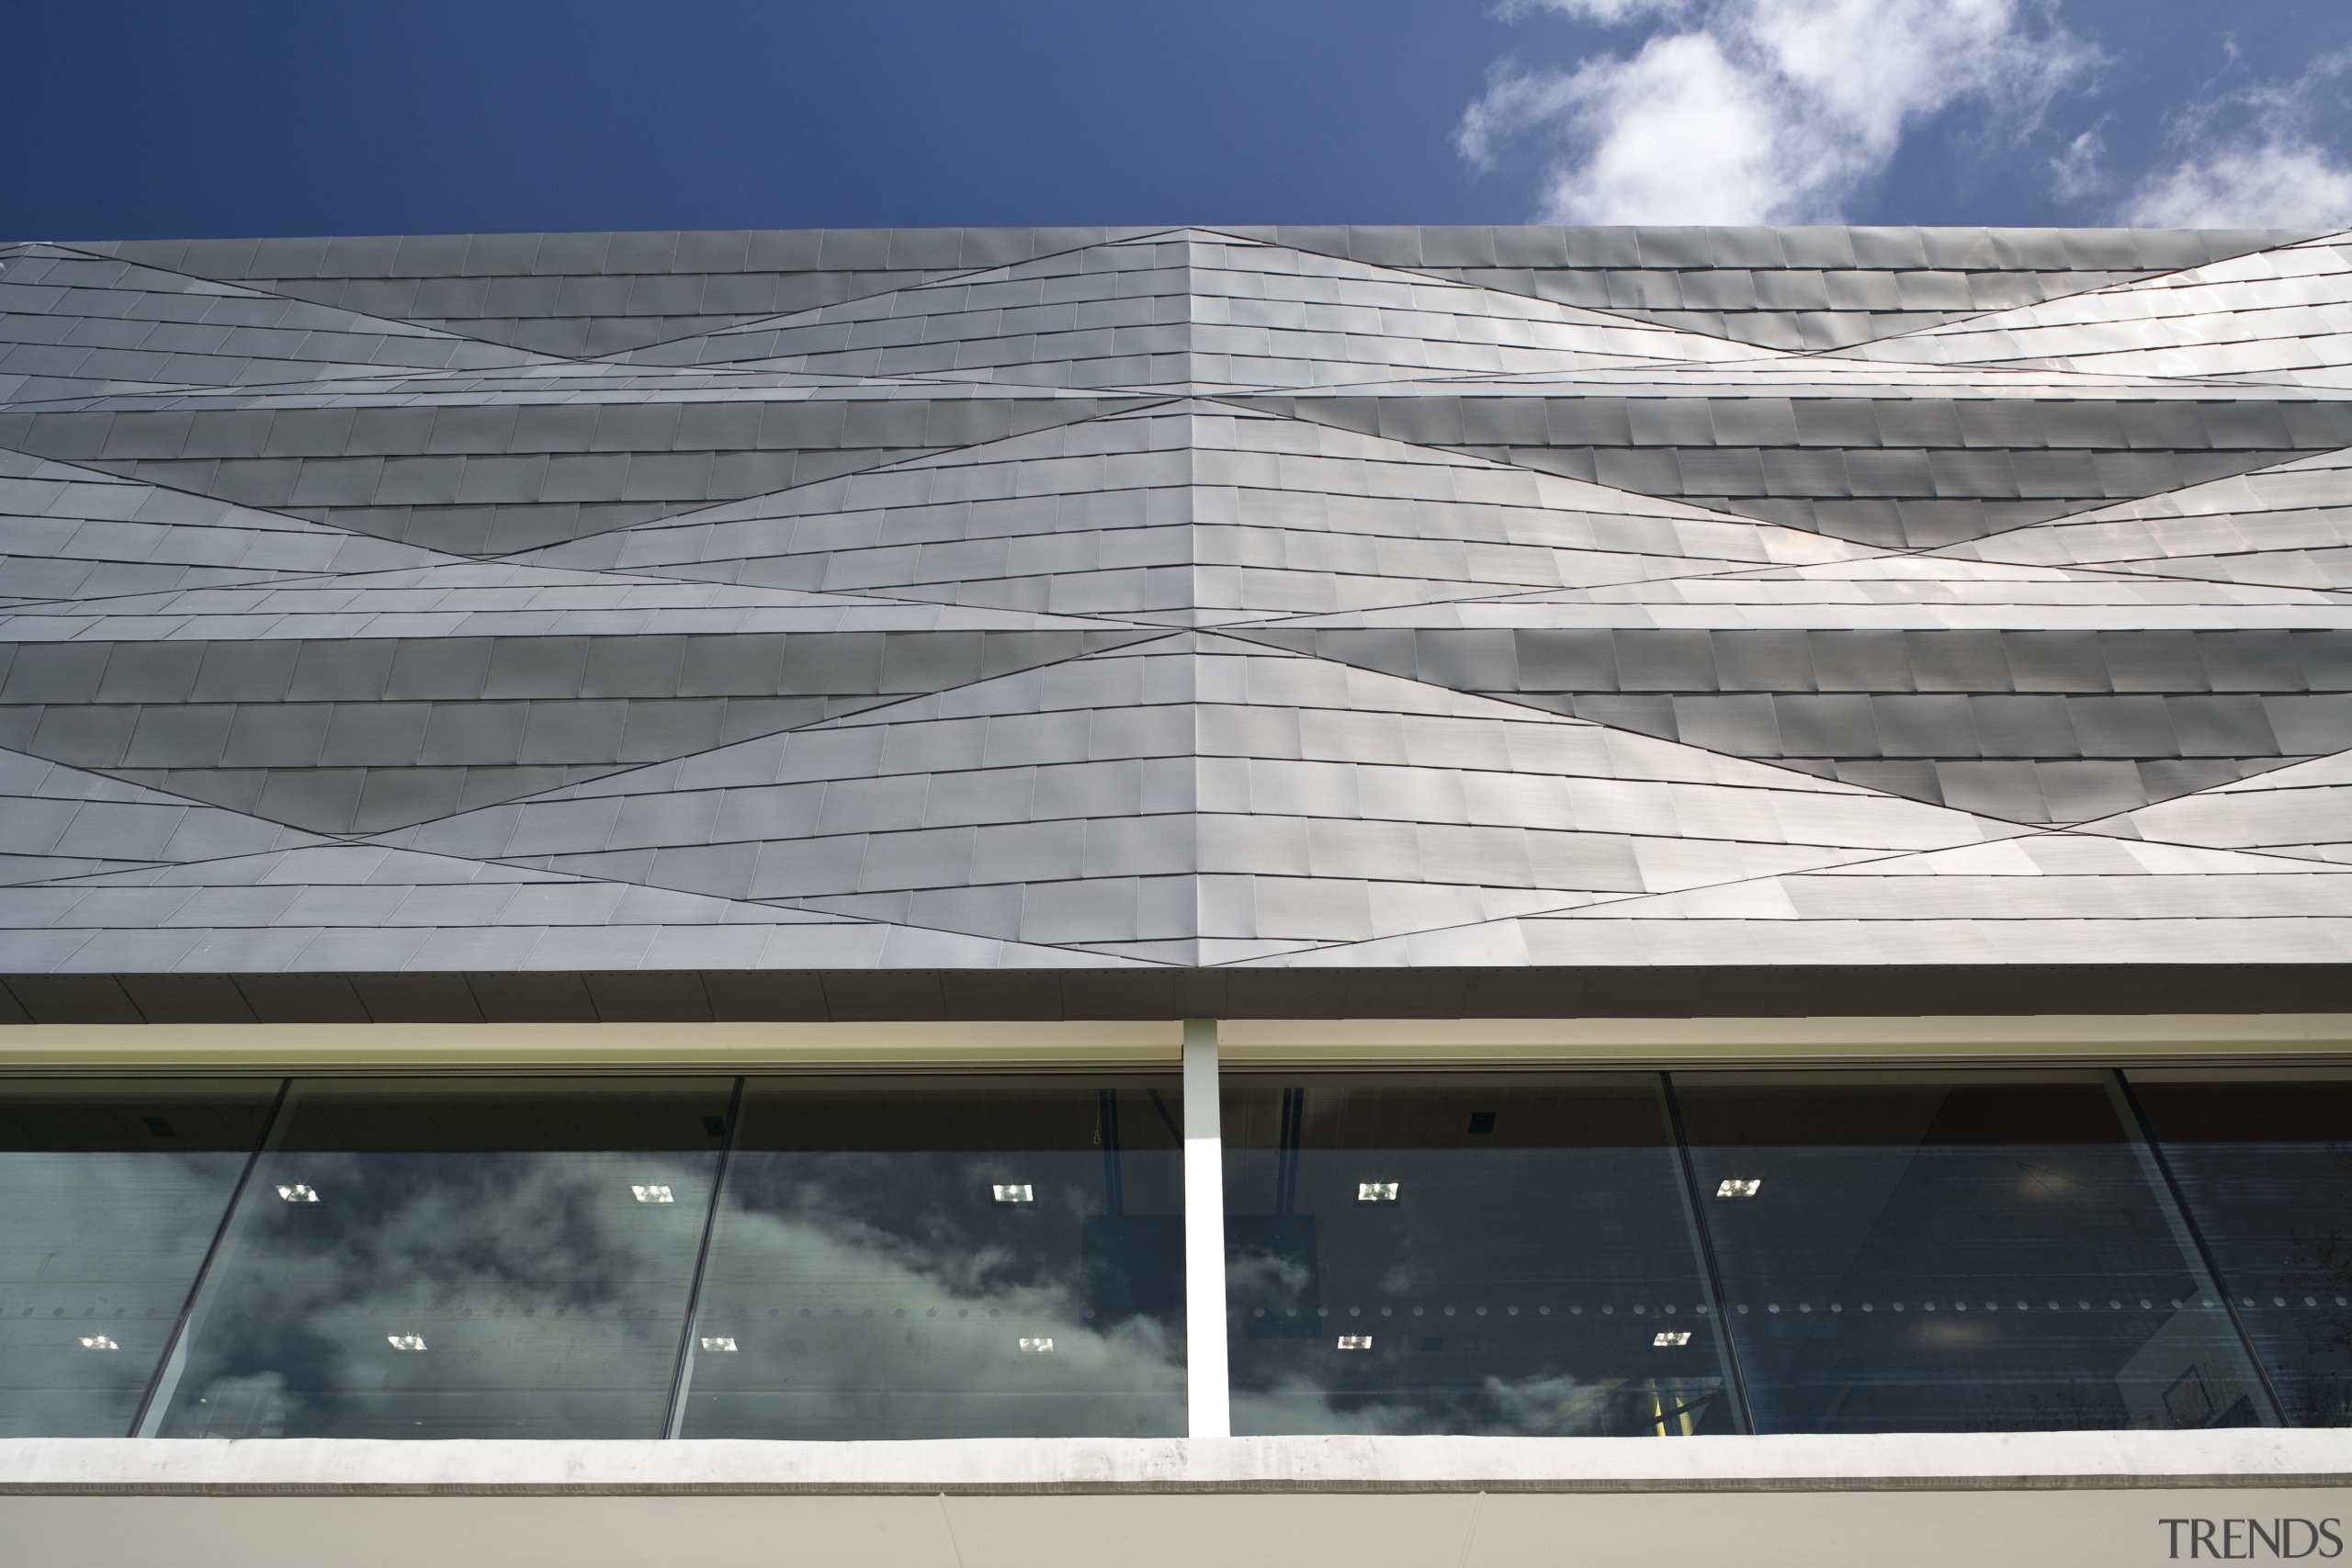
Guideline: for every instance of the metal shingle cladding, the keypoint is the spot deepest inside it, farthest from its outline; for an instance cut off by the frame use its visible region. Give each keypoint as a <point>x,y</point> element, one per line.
<point>1087,622</point>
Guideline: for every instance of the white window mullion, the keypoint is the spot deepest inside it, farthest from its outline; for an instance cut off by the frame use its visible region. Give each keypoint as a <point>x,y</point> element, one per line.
<point>1208,1405</point>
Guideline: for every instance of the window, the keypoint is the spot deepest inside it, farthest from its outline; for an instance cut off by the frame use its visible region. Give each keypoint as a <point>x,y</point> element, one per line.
<point>1934,1254</point>
<point>1459,1253</point>
<point>477,1264</point>
<point>2265,1163</point>
<point>1003,1253</point>
<point>115,1193</point>
<point>874,1278</point>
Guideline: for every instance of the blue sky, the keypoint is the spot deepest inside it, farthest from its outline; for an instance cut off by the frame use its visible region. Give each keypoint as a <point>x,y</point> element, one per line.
<point>131,119</point>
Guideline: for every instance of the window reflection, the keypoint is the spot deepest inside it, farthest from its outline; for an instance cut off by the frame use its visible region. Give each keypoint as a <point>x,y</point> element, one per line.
<point>946,1257</point>
<point>447,1260</point>
<point>1490,1253</point>
<point>113,1192</point>
<point>1003,1255</point>
<point>1954,1253</point>
<point>2265,1163</point>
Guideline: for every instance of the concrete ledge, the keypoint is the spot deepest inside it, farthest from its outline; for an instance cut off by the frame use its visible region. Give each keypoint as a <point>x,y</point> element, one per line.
<point>1904,1462</point>
<point>2293,1038</point>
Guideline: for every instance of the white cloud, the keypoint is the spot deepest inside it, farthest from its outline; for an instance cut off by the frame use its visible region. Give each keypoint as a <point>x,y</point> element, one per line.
<point>2279,182</point>
<point>2080,172</point>
<point>1761,111</point>
<point>1608,13</point>
<point>2267,173</point>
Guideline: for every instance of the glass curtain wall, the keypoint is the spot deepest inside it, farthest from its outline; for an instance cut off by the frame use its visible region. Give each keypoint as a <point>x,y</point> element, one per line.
<point>1490,1253</point>
<point>457,1259</point>
<point>950,1258</point>
<point>820,1256</point>
<point>115,1191</point>
<point>1001,1254</point>
<point>2263,1162</point>
<point>1907,1252</point>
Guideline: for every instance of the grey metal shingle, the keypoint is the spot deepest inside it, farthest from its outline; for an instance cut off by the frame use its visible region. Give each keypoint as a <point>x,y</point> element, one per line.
<point>852,602</point>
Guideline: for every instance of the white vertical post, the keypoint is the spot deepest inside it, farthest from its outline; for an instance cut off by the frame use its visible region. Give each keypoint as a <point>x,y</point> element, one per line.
<point>1208,1405</point>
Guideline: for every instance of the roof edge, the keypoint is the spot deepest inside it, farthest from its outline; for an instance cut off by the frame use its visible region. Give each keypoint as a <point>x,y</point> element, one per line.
<point>877,996</point>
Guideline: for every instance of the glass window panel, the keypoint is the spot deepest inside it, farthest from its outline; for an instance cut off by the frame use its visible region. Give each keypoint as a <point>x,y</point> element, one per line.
<point>1942,1253</point>
<point>2265,1167</point>
<point>115,1191</point>
<point>1491,1254</point>
<point>487,1258</point>
<point>924,1257</point>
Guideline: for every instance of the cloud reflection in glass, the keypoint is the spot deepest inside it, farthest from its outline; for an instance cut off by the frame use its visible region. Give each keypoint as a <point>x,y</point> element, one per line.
<point>876,1280</point>
<point>493,1224</point>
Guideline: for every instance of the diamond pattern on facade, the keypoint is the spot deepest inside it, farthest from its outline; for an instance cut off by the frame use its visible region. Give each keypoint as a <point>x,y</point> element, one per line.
<point>1177,600</point>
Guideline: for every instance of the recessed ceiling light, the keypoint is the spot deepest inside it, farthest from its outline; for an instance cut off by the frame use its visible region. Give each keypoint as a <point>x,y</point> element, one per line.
<point>652,1193</point>
<point>99,1342</point>
<point>1038,1347</point>
<point>299,1193</point>
<point>405,1341</point>
<point>1014,1192</point>
<point>723,1343</point>
<point>1739,1186</point>
<point>1355,1341</point>
<point>1671,1337</point>
<point>1375,1193</point>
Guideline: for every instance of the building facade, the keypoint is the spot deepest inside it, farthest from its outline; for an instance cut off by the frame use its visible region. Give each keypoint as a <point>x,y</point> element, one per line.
<point>1411,895</point>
